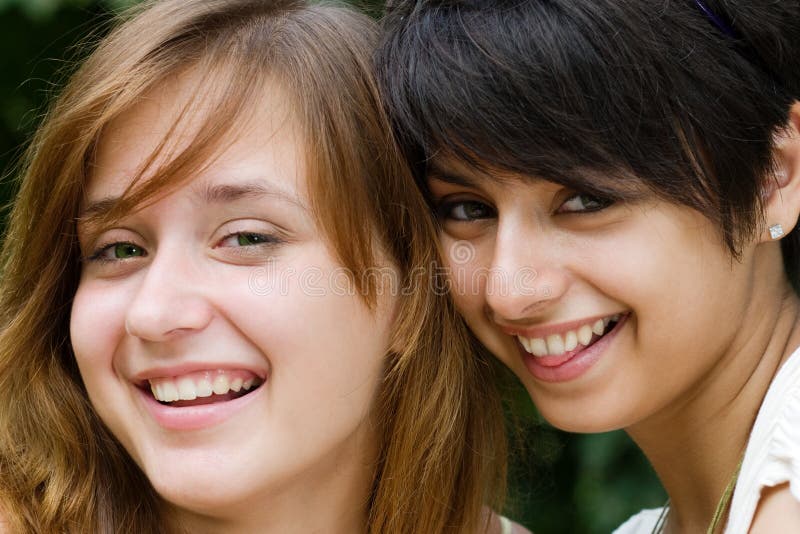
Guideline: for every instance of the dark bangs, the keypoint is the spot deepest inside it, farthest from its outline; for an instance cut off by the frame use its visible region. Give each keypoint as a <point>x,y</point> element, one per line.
<point>601,96</point>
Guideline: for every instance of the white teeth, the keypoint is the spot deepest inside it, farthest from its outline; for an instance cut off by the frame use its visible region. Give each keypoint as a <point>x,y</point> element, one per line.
<point>538,347</point>
<point>598,327</point>
<point>585,335</point>
<point>555,345</point>
<point>570,341</point>
<point>221,385</point>
<point>186,389</point>
<point>169,392</point>
<point>236,384</point>
<point>204,388</point>
<point>199,385</point>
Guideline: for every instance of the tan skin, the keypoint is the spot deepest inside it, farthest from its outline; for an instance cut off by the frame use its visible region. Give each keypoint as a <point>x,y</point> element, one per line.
<point>778,511</point>
<point>705,334</point>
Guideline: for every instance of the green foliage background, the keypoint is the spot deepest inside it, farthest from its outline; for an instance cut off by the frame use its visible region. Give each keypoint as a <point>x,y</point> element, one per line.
<point>559,483</point>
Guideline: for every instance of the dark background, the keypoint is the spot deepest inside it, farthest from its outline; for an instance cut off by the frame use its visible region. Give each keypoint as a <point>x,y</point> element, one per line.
<point>559,483</point>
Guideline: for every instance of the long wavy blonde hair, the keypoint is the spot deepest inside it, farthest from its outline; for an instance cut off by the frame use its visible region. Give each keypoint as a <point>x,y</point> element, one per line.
<point>441,445</point>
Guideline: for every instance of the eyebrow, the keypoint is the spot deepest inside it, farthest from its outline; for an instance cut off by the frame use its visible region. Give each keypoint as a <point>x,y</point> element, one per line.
<point>437,172</point>
<point>212,194</point>
<point>224,193</point>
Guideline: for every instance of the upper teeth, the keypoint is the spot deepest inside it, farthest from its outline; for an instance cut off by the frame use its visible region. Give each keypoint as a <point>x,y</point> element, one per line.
<point>557,344</point>
<point>203,384</point>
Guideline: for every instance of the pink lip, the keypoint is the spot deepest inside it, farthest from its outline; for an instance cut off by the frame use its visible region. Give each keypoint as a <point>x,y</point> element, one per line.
<point>575,363</point>
<point>549,330</point>
<point>196,417</point>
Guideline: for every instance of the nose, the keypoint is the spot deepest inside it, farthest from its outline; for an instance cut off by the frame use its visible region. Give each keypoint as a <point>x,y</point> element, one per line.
<point>528,274</point>
<point>169,300</point>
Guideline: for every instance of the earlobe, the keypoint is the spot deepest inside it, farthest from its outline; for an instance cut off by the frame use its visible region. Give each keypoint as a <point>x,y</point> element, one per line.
<point>781,190</point>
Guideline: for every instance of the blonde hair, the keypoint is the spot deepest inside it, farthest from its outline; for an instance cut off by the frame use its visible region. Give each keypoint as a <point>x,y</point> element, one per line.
<point>441,446</point>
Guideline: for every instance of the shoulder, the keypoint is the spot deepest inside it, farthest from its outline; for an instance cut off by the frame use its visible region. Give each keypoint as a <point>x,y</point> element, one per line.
<point>499,524</point>
<point>642,523</point>
<point>778,511</point>
<point>770,473</point>
<point>510,527</point>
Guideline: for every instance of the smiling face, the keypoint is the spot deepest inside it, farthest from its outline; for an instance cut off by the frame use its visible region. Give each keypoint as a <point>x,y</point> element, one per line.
<point>213,299</point>
<point>609,313</point>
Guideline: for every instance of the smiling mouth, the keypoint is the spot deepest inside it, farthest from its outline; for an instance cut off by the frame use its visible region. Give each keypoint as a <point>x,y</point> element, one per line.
<point>204,387</point>
<point>571,341</point>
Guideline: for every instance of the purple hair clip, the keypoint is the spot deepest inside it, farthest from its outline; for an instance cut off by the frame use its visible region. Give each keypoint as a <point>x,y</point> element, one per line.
<point>716,20</point>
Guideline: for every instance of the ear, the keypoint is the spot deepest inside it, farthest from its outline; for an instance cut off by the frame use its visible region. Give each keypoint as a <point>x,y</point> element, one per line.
<point>782,190</point>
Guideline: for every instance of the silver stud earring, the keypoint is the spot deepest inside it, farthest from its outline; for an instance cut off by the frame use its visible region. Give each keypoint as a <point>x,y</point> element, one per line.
<point>776,231</point>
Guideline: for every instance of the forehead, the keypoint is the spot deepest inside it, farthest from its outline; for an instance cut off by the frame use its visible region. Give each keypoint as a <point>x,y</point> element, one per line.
<point>456,171</point>
<point>616,183</point>
<point>166,125</point>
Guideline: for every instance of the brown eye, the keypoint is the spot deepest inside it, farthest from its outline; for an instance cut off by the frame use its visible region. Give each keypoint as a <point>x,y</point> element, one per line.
<point>469,210</point>
<point>583,202</point>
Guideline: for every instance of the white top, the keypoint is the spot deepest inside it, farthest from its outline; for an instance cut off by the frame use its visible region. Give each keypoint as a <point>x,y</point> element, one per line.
<point>505,525</point>
<point>772,456</point>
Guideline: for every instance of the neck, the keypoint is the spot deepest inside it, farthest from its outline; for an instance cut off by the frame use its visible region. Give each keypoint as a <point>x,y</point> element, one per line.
<point>331,497</point>
<point>696,445</point>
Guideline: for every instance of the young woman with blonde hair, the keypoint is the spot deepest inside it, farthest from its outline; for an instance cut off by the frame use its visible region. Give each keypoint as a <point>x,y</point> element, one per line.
<point>217,306</point>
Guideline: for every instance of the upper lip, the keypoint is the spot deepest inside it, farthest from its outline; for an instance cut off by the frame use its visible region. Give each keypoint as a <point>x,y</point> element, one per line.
<point>548,330</point>
<point>141,378</point>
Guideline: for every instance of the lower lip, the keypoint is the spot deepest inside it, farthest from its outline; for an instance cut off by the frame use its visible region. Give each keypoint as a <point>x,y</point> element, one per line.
<point>577,364</point>
<point>196,417</point>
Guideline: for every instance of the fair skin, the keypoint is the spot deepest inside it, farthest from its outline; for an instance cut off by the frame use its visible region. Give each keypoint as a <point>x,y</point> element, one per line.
<point>687,340</point>
<point>178,291</point>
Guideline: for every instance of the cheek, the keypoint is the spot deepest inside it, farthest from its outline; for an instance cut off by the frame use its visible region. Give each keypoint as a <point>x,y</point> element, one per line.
<point>685,291</point>
<point>97,326</point>
<point>468,271</point>
<point>325,348</point>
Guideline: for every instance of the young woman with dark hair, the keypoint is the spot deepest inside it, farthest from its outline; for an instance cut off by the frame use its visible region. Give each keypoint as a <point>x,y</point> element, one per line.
<point>639,163</point>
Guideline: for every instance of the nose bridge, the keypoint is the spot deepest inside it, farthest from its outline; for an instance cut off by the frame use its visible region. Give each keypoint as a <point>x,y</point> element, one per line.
<point>169,298</point>
<point>527,273</point>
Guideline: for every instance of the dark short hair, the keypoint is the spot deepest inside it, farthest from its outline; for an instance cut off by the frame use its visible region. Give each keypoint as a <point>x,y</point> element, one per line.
<point>602,95</point>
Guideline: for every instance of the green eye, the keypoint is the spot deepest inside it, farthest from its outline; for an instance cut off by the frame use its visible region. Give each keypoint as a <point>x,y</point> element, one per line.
<point>117,251</point>
<point>127,250</point>
<point>245,240</point>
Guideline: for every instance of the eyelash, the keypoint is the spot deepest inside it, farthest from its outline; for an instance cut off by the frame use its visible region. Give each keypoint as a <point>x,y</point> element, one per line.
<point>603,203</point>
<point>97,255</point>
<point>267,239</point>
<point>445,209</point>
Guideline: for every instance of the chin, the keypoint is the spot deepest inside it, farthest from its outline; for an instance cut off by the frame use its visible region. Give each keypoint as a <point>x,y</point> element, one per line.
<point>577,425</point>
<point>582,416</point>
<point>207,496</point>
